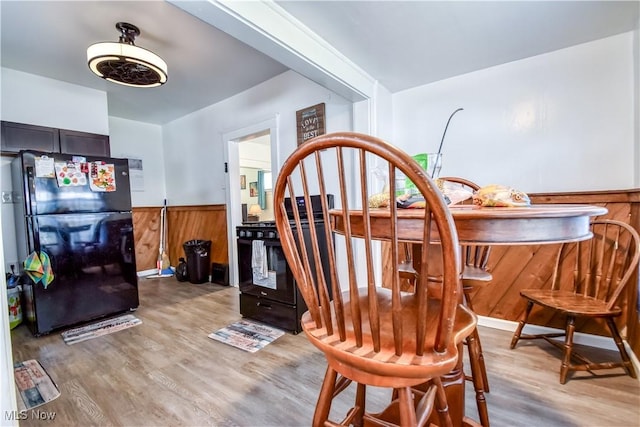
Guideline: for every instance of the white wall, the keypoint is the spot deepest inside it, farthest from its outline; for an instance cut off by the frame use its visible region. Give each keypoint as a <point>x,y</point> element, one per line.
<point>194,150</point>
<point>6,213</point>
<point>7,385</point>
<point>136,140</point>
<point>256,156</point>
<point>562,121</point>
<point>27,98</point>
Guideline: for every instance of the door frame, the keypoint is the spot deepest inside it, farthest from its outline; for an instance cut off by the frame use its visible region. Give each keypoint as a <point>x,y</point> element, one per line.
<point>233,203</point>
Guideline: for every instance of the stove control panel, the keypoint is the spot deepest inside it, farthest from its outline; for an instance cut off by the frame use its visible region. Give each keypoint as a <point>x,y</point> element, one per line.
<point>257,232</point>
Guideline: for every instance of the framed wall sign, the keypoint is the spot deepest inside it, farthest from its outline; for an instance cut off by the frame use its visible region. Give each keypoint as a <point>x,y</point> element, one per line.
<point>310,122</point>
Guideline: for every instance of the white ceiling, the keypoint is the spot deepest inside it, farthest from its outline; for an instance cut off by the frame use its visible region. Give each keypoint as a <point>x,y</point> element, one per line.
<point>400,44</point>
<point>50,38</point>
<point>404,44</point>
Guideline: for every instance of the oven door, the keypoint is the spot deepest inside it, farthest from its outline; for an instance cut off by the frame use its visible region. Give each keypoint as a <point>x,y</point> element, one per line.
<point>279,285</point>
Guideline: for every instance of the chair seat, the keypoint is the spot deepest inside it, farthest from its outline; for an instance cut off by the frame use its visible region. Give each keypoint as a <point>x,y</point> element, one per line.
<point>384,368</point>
<point>570,303</point>
<point>406,270</point>
<point>470,272</point>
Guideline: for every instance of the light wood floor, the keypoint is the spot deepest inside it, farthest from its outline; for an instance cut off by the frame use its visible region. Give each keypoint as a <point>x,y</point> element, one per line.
<point>167,372</point>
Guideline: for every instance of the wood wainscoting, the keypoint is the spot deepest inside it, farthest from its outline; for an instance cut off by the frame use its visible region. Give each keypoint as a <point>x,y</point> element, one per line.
<point>518,267</point>
<point>204,222</point>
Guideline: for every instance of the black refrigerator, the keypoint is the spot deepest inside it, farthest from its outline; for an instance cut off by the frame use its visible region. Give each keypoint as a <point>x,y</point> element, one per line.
<point>77,210</point>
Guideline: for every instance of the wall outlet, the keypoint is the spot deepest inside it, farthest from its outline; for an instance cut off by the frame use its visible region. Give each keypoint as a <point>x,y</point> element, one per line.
<point>7,197</point>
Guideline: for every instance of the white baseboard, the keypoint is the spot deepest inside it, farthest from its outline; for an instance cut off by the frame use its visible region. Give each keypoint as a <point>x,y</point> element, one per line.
<point>597,341</point>
<point>606,343</point>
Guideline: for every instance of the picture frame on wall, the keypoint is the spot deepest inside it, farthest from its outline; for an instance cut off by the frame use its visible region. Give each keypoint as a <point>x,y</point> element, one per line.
<point>243,182</point>
<point>253,189</point>
<point>310,122</point>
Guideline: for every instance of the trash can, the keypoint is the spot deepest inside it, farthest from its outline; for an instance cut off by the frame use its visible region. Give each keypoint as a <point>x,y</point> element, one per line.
<point>198,254</point>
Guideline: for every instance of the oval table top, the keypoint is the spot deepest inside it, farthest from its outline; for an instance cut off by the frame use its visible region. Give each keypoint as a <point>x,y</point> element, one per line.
<point>535,224</point>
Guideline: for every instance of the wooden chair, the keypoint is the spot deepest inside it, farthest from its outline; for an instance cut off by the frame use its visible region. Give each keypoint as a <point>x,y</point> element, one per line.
<point>601,269</point>
<point>474,276</point>
<point>370,335</point>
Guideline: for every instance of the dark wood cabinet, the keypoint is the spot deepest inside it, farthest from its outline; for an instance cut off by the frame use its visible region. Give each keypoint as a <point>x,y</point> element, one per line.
<point>83,143</point>
<point>20,136</point>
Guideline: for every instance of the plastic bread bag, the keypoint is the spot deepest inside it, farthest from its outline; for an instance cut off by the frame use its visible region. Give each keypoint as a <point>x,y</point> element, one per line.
<point>454,192</point>
<point>496,195</point>
<point>381,199</point>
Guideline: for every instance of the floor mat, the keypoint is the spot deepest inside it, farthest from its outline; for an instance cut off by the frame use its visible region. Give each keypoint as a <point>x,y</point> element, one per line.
<point>103,327</point>
<point>247,335</point>
<point>33,385</point>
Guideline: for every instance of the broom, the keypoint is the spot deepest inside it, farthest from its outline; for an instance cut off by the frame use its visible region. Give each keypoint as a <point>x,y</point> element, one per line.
<point>162,264</point>
<point>165,263</point>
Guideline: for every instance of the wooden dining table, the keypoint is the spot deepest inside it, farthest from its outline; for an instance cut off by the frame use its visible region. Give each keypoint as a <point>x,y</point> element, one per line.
<point>527,225</point>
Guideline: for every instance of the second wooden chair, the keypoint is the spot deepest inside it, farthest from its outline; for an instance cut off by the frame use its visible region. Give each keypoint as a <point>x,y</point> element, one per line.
<point>592,288</point>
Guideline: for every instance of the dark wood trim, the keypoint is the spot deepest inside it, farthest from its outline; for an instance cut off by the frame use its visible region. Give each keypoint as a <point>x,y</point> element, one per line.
<point>589,197</point>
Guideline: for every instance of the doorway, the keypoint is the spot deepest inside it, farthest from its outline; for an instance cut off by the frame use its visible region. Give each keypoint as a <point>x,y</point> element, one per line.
<point>251,156</point>
<point>254,159</point>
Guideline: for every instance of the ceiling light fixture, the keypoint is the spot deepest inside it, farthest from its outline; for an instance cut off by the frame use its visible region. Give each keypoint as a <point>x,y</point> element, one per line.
<point>125,63</point>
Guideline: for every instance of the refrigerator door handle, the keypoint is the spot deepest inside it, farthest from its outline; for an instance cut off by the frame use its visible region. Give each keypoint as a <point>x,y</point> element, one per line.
<point>32,224</point>
<point>30,203</point>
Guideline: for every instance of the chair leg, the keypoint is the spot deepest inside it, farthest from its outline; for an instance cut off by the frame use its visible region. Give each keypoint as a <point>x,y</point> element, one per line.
<point>406,407</point>
<point>523,321</point>
<point>479,354</point>
<point>568,348</point>
<point>626,361</point>
<point>361,397</point>
<point>441,404</point>
<point>323,407</point>
<point>476,377</point>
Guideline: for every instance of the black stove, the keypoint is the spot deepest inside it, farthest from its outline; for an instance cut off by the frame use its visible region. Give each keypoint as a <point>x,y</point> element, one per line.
<point>274,299</point>
<point>266,230</point>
